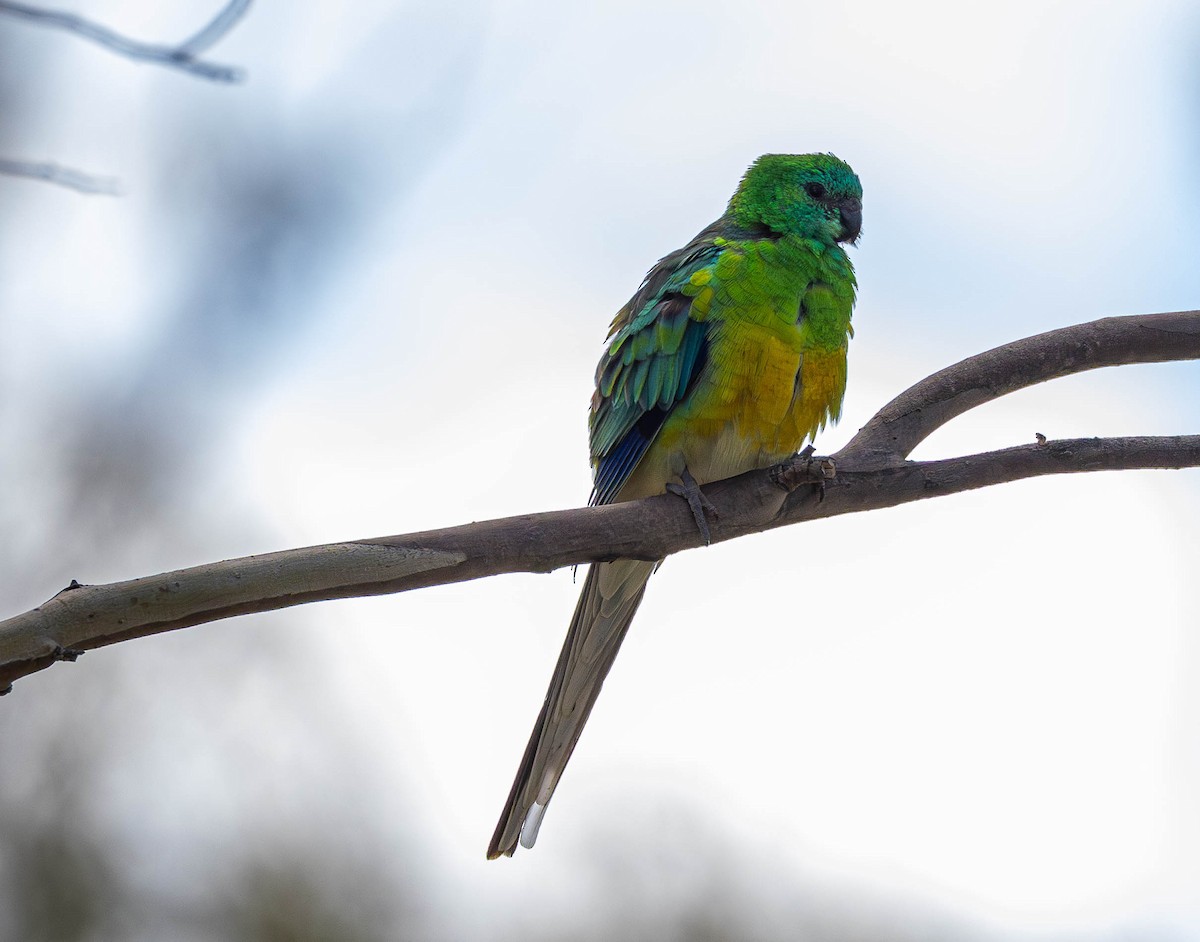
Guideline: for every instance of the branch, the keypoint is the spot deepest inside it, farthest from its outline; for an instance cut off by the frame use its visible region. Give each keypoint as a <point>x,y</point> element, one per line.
<point>181,57</point>
<point>215,31</point>
<point>63,176</point>
<point>869,473</point>
<point>909,419</point>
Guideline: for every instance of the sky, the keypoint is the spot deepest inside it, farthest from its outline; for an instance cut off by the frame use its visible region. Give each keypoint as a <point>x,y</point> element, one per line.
<point>985,705</point>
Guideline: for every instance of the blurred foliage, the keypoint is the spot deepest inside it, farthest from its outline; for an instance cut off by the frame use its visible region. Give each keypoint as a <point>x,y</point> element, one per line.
<point>249,228</point>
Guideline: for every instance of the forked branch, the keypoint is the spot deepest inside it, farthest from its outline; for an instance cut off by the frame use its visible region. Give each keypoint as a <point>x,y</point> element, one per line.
<point>182,56</point>
<point>870,473</point>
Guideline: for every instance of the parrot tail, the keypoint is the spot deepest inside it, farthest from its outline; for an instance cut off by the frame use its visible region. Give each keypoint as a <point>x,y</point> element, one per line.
<point>611,595</point>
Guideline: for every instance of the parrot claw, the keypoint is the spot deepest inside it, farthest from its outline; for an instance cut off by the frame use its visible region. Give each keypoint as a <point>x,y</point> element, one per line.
<point>804,468</point>
<point>690,491</point>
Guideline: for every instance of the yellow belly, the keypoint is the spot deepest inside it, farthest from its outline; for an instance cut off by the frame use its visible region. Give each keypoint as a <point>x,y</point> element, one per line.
<point>764,394</point>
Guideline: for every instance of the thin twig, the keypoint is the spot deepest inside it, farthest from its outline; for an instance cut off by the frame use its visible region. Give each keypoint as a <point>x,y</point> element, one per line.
<point>62,176</point>
<point>211,34</point>
<point>180,57</point>
<point>84,617</point>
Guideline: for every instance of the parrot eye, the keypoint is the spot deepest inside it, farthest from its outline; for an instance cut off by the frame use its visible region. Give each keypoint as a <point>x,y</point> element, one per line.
<point>815,190</point>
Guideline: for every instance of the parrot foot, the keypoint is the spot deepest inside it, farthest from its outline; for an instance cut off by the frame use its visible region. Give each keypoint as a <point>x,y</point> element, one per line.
<point>804,468</point>
<point>690,491</point>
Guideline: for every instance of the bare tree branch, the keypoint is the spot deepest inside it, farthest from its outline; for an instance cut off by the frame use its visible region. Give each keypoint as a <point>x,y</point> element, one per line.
<point>215,31</point>
<point>181,57</point>
<point>909,419</point>
<point>870,473</point>
<point>62,176</point>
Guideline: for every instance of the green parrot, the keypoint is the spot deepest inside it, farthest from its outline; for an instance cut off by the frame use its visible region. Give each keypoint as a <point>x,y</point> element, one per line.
<point>730,356</point>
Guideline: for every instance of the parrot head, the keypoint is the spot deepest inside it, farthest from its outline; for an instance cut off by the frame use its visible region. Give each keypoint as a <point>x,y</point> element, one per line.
<point>815,196</point>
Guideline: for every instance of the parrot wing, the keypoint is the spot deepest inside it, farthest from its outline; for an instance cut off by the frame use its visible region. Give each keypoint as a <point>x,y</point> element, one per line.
<point>657,348</point>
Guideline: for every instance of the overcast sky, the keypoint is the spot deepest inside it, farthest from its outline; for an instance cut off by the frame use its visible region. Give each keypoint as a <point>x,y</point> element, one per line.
<point>986,703</point>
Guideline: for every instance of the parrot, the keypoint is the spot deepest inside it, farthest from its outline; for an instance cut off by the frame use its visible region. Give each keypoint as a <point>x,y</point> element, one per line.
<point>728,358</point>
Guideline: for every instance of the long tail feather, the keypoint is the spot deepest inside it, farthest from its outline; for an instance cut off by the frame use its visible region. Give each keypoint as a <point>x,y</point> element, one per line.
<point>610,597</point>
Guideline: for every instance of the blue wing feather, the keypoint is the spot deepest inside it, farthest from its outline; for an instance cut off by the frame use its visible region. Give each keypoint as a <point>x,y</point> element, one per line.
<point>657,349</point>
<point>638,421</point>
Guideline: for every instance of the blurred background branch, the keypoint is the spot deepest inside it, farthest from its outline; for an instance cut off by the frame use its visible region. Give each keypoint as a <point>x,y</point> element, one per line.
<point>63,176</point>
<point>182,56</point>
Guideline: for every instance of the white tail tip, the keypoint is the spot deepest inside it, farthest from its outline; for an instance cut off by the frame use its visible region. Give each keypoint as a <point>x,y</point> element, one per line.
<point>533,821</point>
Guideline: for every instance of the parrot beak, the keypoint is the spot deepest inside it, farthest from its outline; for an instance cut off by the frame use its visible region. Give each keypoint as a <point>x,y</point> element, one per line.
<point>850,213</point>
